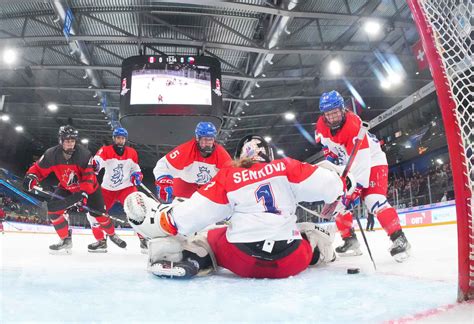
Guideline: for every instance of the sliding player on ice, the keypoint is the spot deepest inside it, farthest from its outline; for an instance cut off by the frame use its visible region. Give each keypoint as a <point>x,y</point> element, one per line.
<point>258,196</point>
<point>337,129</point>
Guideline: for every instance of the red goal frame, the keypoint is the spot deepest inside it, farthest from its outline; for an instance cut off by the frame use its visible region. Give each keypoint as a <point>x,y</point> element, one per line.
<point>460,170</point>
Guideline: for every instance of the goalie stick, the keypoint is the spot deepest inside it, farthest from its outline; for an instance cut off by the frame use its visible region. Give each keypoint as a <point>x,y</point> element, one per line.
<point>69,201</point>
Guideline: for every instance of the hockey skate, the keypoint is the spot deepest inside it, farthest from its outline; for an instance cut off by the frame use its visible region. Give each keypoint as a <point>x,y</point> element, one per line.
<point>98,247</point>
<point>64,246</point>
<point>351,246</point>
<point>174,270</point>
<point>118,241</point>
<point>400,249</point>
<point>143,245</point>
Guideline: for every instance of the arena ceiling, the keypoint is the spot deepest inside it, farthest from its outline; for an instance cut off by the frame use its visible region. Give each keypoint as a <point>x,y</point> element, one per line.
<point>274,57</point>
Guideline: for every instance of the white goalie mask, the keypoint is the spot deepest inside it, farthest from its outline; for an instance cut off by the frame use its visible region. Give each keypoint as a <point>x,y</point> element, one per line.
<point>254,147</point>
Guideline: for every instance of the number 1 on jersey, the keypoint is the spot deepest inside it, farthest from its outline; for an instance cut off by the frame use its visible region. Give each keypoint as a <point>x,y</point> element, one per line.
<point>264,193</point>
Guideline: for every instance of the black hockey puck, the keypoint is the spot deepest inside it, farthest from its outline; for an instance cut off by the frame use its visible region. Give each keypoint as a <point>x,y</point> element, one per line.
<point>353,270</point>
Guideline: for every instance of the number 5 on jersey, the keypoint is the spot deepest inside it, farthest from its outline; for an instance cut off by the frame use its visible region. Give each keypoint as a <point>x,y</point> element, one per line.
<point>264,193</point>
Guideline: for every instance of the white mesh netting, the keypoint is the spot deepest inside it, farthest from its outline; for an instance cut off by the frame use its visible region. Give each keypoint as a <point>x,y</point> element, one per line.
<point>451,22</point>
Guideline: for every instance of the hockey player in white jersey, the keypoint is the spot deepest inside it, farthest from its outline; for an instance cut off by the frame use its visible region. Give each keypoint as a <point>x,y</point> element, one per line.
<point>258,196</point>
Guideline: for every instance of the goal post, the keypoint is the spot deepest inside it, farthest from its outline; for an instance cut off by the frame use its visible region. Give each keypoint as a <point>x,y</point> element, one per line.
<point>446,32</point>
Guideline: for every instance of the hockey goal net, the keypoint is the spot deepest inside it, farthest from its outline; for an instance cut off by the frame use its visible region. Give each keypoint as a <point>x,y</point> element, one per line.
<point>447,35</point>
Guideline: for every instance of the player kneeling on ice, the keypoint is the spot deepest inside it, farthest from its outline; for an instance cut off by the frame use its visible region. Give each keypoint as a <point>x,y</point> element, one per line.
<point>258,196</point>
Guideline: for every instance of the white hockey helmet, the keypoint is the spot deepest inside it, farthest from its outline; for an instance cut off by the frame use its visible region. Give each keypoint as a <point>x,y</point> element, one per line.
<point>254,147</point>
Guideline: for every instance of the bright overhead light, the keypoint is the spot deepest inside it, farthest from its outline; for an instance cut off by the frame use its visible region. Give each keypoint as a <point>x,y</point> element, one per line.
<point>252,96</point>
<point>395,78</point>
<point>289,116</point>
<point>52,107</point>
<point>335,67</point>
<point>263,75</point>
<point>19,128</point>
<point>372,27</point>
<point>439,161</point>
<point>5,118</point>
<point>9,56</point>
<point>385,84</point>
<point>417,72</point>
<point>267,139</point>
<point>280,152</point>
<point>247,104</point>
<point>257,85</point>
<point>84,141</point>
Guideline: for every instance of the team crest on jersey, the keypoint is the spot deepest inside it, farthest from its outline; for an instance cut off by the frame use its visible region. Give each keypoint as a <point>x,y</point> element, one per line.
<point>117,177</point>
<point>70,178</point>
<point>204,175</point>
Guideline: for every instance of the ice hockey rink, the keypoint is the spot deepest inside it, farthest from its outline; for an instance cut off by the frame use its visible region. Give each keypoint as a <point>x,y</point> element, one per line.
<point>115,287</point>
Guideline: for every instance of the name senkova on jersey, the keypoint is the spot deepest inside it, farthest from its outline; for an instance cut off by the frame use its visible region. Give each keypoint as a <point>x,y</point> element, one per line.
<point>269,169</point>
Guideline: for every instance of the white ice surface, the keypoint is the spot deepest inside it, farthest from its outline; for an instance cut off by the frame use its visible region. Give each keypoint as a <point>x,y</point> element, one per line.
<point>115,287</point>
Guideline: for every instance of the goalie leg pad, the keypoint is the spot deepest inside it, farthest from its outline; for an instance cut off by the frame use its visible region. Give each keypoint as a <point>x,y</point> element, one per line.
<point>165,249</point>
<point>200,246</point>
<point>321,239</point>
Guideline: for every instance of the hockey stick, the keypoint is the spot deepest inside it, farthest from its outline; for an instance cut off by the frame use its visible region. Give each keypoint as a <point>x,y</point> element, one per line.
<point>360,137</point>
<point>309,211</point>
<point>72,203</point>
<point>149,192</point>
<point>332,207</point>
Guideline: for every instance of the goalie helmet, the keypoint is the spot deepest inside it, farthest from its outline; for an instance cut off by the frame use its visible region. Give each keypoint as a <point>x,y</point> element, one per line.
<point>254,147</point>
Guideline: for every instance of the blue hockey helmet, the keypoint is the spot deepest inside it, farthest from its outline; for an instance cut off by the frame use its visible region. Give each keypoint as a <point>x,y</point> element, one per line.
<point>331,100</point>
<point>205,129</point>
<point>120,131</point>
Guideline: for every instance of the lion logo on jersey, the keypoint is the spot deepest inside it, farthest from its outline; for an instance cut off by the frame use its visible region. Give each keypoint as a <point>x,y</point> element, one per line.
<point>117,177</point>
<point>204,175</point>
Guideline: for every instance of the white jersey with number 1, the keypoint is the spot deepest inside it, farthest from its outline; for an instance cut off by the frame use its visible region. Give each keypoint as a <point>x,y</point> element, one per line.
<point>260,201</point>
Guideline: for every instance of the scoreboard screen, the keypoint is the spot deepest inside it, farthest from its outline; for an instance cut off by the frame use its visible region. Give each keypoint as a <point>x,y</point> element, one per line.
<point>169,95</point>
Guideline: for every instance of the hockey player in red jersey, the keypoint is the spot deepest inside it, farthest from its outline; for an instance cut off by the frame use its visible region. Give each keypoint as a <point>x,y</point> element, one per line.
<point>258,196</point>
<point>190,165</point>
<point>72,165</point>
<point>337,129</point>
<point>122,175</point>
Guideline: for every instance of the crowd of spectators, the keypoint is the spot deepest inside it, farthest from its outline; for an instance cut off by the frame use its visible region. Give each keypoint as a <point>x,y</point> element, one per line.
<point>418,188</point>
<point>16,211</point>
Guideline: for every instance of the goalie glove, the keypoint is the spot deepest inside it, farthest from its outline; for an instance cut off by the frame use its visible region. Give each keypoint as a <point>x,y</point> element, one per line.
<point>149,218</point>
<point>30,182</point>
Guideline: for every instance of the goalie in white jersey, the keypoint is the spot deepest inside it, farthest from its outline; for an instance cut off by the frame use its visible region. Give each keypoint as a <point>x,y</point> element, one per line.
<point>258,196</point>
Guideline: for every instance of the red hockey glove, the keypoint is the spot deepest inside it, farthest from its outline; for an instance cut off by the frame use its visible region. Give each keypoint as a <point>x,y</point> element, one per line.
<point>136,178</point>
<point>351,200</point>
<point>330,156</point>
<point>164,189</point>
<point>30,182</point>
